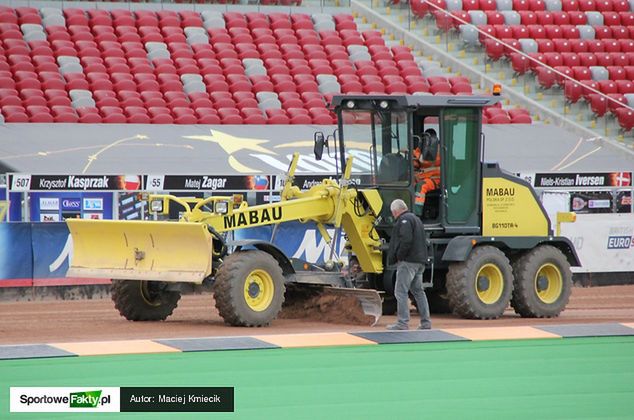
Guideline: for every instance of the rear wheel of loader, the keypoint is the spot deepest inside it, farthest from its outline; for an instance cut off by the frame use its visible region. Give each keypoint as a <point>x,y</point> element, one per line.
<point>249,289</point>
<point>481,286</point>
<point>140,300</point>
<point>543,283</point>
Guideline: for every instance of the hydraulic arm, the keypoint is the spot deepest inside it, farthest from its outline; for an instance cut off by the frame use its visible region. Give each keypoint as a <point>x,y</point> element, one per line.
<point>183,252</point>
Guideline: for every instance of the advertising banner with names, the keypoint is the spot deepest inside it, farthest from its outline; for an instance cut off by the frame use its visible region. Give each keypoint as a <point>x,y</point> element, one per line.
<point>207,182</point>
<point>579,180</point>
<point>28,182</point>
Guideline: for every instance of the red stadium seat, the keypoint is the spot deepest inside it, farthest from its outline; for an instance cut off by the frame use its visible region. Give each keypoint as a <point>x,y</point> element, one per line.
<point>598,104</point>
<point>572,91</point>
<point>625,118</point>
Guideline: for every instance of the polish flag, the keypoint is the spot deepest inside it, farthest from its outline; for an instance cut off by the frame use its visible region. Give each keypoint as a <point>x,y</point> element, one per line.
<point>131,182</point>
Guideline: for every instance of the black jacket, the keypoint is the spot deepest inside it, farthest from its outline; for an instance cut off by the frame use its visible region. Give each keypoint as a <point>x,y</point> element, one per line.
<point>408,241</point>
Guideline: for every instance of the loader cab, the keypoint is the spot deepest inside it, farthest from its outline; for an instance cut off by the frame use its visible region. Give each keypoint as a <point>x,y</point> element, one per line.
<point>388,135</point>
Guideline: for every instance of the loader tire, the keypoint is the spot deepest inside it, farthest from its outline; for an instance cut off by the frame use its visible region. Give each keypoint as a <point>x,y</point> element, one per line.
<point>249,289</point>
<point>389,305</point>
<point>438,302</point>
<point>481,286</point>
<point>543,283</point>
<point>140,300</point>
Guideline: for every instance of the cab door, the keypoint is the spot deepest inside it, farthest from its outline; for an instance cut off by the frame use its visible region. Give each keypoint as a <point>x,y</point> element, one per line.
<point>461,169</point>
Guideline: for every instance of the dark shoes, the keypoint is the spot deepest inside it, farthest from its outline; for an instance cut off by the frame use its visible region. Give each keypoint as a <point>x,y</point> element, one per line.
<point>424,327</point>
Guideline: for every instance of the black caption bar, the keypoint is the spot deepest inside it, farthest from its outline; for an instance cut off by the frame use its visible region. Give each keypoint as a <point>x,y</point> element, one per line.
<point>174,399</point>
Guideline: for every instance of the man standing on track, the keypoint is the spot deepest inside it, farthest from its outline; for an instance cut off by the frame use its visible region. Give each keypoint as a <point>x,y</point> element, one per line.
<point>408,249</point>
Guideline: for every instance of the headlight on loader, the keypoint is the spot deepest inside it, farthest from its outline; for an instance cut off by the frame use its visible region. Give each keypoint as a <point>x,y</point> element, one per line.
<point>221,207</point>
<point>156,206</point>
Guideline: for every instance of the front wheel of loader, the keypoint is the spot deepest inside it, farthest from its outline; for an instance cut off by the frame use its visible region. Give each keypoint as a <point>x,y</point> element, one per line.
<point>249,289</point>
<point>543,283</point>
<point>481,286</point>
<point>140,300</point>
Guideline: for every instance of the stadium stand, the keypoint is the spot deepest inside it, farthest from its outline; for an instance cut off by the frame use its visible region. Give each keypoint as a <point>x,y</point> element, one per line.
<point>186,67</point>
<point>590,41</point>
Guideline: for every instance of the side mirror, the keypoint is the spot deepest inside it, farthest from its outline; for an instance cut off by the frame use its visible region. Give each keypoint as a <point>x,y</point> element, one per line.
<point>320,142</point>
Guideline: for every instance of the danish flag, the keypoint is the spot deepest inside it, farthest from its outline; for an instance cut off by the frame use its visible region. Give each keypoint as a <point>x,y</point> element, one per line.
<point>623,179</point>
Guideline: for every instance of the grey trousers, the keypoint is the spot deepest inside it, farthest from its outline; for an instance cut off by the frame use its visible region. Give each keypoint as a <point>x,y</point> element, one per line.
<point>409,278</point>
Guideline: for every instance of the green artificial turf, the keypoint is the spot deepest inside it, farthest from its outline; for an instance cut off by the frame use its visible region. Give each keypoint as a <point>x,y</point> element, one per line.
<point>519,379</point>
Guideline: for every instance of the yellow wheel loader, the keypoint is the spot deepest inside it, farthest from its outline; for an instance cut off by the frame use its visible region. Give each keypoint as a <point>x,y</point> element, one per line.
<point>491,242</point>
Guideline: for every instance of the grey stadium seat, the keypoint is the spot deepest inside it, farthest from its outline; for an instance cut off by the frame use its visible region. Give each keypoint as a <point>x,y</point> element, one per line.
<point>158,54</point>
<point>360,56</point>
<point>325,78</point>
<point>586,32</point>
<point>319,17</point>
<point>198,39</point>
<point>599,73</point>
<point>34,36</point>
<point>83,103</point>
<point>511,17</point>
<point>31,27</point>
<point>79,93</point>
<point>214,23</point>
<point>453,5</point>
<point>193,30</point>
<point>330,87</point>
<point>594,18</point>
<point>469,35</point>
<point>250,62</point>
<point>265,96</point>
<point>51,11</point>
<point>194,86</point>
<point>65,59</point>
<point>529,45</point>
<point>191,77</point>
<point>270,104</point>
<point>255,71</point>
<point>211,14</point>
<point>478,17</point>
<point>553,5</point>
<point>153,46</point>
<point>504,4</point>
<point>54,20</point>
<point>67,68</point>
<point>325,25</point>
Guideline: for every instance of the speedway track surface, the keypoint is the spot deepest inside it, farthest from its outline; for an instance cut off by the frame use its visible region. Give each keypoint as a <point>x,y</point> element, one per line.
<point>196,316</point>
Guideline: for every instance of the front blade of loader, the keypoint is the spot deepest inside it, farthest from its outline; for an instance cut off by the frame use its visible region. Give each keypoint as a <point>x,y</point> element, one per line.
<point>140,250</point>
<point>369,299</point>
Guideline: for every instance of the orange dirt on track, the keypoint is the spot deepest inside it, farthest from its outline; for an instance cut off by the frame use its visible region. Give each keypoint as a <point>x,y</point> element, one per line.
<point>196,316</point>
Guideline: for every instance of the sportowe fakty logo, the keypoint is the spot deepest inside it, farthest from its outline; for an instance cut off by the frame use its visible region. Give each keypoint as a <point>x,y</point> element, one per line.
<point>64,399</point>
<point>82,399</point>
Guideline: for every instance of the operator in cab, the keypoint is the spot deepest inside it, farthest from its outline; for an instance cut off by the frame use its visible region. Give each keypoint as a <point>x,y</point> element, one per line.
<point>427,168</point>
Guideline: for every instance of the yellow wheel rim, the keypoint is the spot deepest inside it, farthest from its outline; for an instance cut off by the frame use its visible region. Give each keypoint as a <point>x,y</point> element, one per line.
<point>548,283</point>
<point>146,294</point>
<point>489,284</point>
<point>258,290</point>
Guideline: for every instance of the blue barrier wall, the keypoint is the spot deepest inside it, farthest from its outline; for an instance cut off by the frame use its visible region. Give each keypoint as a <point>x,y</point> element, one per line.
<point>297,240</point>
<point>51,249</point>
<point>15,209</point>
<point>16,257</point>
<point>42,250</point>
